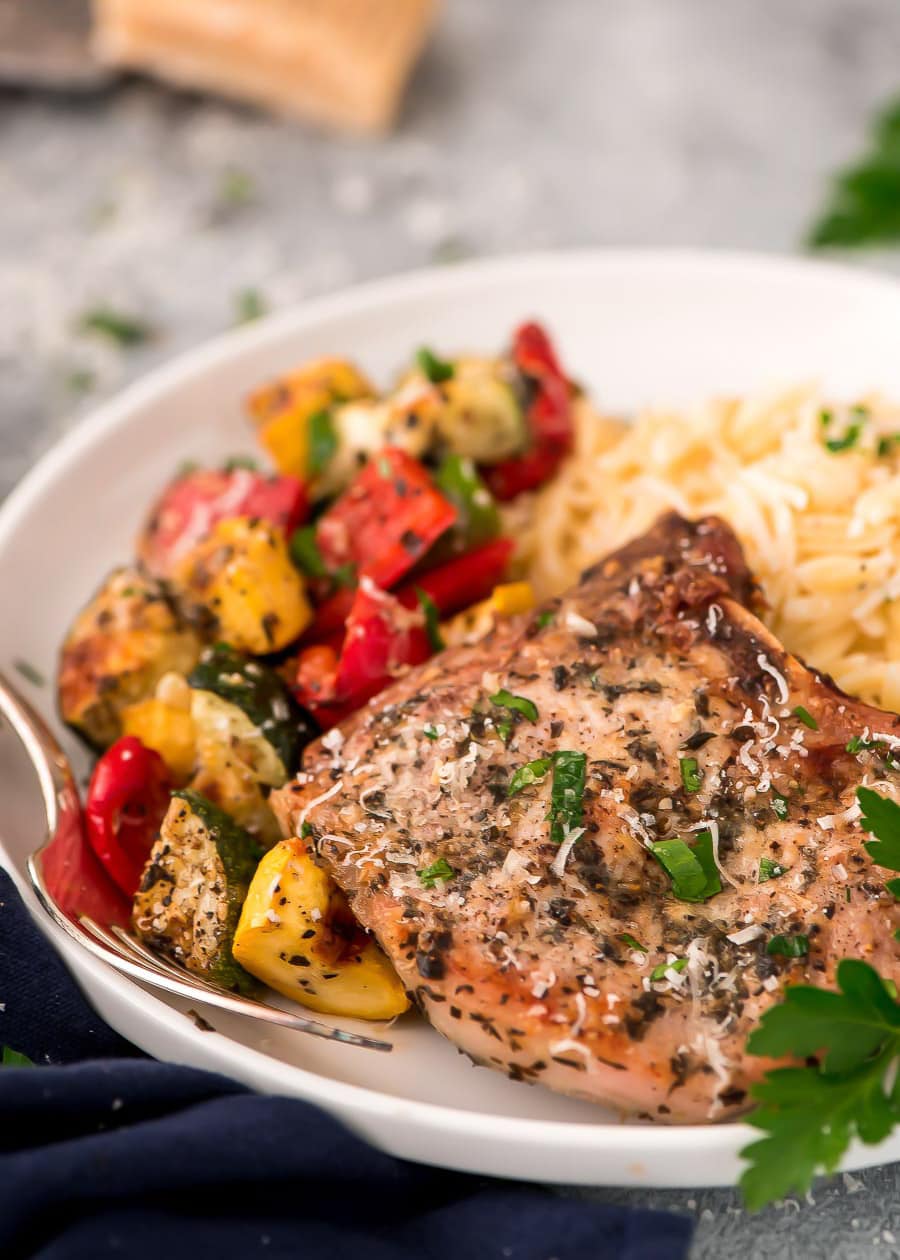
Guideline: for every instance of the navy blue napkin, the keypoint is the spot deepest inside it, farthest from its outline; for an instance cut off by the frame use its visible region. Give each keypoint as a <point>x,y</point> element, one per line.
<point>106,1153</point>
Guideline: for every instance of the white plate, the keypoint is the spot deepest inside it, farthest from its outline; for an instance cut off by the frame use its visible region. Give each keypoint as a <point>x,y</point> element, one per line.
<point>636,328</point>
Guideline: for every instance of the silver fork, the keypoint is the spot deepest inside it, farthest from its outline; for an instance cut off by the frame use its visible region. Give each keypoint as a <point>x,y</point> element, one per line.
<point>111,942</point>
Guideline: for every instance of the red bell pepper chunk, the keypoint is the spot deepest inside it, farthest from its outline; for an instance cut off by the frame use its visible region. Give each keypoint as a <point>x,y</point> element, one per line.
<point>193,504</point>
<point>74,877</point>
<point>549,417</point>
<point>127,799</point>
<point>382,635</point>
<point>463,581</point>
<point>386,519</point>
<point>455,585</point>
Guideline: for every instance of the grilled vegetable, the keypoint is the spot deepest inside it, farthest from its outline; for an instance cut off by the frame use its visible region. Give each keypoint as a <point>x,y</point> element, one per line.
<point>474,623</point>
<point>239,584</point>
<point>194,503</point>
<point>261,695</point>
<point>550,425</point>
<point>482,418</point>
<point>478,520</point>
<point>164,723</point>
<point>297,934</point>
<point>126,800</point>
<point>117,650</point>
<point>284,410</point>
<point>193,887</point>
<point>386,521</point>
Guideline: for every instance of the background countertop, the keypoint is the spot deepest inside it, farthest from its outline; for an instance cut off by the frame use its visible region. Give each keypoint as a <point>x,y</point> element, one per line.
<point>531,124</point>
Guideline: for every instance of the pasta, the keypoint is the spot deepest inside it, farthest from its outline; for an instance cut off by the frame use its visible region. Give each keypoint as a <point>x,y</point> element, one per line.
<point>812,490</point>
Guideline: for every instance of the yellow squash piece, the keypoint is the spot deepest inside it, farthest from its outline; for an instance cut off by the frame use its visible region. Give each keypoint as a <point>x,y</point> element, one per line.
<point>167,730</point>
<point>241,585</point>
<point>296,933</point>
<point>474,623</point>
<point>282,409</point>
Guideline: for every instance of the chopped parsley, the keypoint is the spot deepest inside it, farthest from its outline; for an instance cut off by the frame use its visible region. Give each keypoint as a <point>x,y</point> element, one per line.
<point>28,671</point>
<point>437,370</point>
<point>13,1058</point>
<point>627,939</point>
<point>857,745</point>
<point>528,774</point>
<point>887,443</point>
<point>544,618</point>
<point>306,831</point>
<point>789,946</point>
<point>323,441</point>
<point>769,870</point>
<point>432,620</point>
<point>692,870</point>
<point>305,552</point>
<point>250,305</point>
<point>805,717</point>
<point>851,435</point>
<point>809,1115</point>
<point>430,731</point>
<point>567,793</point>
<point>236,187</point>
<point>779,805</point>
<point>125,330</point>
<point>691,776</point>
<point>660,972</point>
<point>441,869</point>
<point>503,728</point>
<point>240,461</point>
<point>519,704</point>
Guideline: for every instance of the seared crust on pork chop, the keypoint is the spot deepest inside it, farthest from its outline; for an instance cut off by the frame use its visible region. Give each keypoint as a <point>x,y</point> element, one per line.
<point>528,956</point>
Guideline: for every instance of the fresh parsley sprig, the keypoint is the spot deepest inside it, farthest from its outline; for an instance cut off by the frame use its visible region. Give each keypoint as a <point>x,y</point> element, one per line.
<point>811,1114</point>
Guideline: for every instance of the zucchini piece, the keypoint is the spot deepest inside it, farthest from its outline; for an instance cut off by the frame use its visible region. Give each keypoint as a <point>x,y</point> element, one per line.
<point>262,696</point>
<point>194,885</point>
<point>482,417</point>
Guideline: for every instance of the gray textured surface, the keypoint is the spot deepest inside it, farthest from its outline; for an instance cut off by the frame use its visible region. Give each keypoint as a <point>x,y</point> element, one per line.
<point>531,123</point>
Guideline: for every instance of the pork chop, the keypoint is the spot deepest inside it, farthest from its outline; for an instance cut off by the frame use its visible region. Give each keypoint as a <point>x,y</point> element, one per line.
<point>540,946</point>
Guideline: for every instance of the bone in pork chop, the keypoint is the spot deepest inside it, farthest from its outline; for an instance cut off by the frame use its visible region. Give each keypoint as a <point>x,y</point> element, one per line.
<point>540,951</point>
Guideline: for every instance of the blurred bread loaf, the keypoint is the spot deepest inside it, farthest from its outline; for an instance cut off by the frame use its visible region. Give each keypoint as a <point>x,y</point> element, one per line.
<point>340,62</point>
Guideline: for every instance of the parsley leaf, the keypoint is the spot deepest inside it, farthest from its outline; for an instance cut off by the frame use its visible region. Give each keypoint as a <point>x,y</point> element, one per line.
<point>864,207</point>
<point>12,1058</point>
<point>806,717</point>
<point>528,774</point>
<point>250,305</point>
<point>789,946</point>
<point>693,870</point>
<point>125,330</point>
<point>519,704</point>
<point>441,869</point>
<point>567,793</point>
<point>811,1114</point>
<point>430,731</point>
<point>437,370</point>
<point>769,870</point>
<point>881,817</point>
<point>432,620</point>
<point>691,776</point>
<point>779,805</point>
<point>627,939</point>
<point>661,972</point>
<point>323,441</point>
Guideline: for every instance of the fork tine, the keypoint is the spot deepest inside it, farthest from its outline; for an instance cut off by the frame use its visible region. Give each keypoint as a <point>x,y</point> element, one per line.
<point>59,794</point>
<point>164,975</point>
